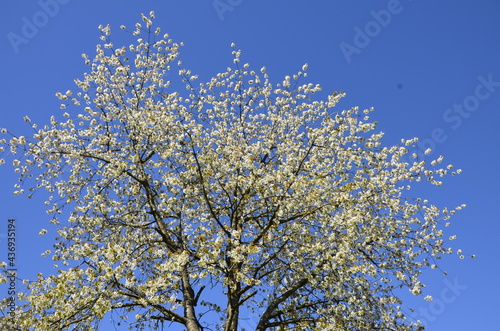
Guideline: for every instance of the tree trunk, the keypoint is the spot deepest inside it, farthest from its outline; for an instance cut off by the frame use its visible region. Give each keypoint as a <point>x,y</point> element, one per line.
<point>233,310</point>
<point>189,302</point>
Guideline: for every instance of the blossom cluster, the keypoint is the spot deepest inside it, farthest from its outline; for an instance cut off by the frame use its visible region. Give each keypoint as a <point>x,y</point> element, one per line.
<point>295,208</point>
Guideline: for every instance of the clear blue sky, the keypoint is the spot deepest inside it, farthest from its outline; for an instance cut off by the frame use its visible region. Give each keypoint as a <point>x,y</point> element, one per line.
<point>430,68</point>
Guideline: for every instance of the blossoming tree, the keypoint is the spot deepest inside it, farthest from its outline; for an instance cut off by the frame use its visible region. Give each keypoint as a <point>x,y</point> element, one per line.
<point>236,198</point>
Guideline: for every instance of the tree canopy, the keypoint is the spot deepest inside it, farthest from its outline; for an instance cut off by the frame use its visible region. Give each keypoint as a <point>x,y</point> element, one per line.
<point>235,197</point>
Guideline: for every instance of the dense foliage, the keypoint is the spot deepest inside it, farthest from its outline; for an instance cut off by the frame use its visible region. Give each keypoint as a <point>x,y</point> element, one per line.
<point>236,191</point>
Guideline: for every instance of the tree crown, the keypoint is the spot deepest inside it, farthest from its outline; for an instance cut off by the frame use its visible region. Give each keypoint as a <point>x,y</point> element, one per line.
<point>294,212</point>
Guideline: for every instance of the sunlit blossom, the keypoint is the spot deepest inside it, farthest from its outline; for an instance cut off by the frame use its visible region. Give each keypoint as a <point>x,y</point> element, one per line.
<point>239,186</point>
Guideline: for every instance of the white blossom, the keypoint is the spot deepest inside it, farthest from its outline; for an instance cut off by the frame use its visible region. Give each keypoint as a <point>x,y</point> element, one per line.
<point>238,187</point>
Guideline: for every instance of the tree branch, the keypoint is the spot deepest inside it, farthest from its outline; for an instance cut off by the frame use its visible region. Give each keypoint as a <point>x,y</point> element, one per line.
<point>264,319</point>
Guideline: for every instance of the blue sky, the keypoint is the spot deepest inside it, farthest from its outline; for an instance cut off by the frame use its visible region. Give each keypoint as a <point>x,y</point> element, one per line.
<point>430,68</point>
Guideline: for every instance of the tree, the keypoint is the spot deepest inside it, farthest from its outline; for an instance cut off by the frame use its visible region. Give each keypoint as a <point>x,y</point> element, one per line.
<point>286,208</point>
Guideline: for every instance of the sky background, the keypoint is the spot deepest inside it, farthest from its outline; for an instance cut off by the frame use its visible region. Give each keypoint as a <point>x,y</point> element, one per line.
<point>430,68</point>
